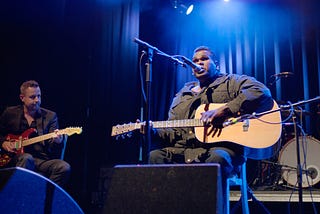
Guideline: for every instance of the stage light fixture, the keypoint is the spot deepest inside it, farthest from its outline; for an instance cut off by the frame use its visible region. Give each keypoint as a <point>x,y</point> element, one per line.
<point>182,7</point>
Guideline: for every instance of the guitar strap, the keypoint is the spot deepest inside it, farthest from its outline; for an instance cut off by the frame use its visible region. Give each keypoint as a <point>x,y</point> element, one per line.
<point>40,122</point>
<point>193,106</point>
<point>40,126</point>
<point>198,99</point>
<point>209,92</point>
<point>206,107</point>
<point>205,128</point>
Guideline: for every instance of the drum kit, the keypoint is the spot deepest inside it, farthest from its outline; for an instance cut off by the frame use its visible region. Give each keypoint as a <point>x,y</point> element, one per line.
<point>310,160</point>
<point>280,171</point>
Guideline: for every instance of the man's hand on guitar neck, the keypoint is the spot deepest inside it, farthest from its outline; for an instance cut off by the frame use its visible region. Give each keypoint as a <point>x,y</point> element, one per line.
<point>58,137</point>
<point>215,119</point>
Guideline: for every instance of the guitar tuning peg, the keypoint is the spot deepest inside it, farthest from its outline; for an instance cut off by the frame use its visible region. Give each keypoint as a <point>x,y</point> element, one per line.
<point>129,134</point>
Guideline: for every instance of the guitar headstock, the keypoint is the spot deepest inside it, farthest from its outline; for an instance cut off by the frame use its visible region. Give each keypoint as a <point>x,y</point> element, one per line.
<point>124,128</point>
<point>71,130</point>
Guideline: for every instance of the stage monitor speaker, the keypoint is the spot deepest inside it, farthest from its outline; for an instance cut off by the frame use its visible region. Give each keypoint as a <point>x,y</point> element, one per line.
<point>185,188</point>
<point>24,191</point>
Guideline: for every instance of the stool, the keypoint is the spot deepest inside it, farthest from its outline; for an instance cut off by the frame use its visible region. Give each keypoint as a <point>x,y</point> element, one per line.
<point>241,181</point>
<point>246,192</point>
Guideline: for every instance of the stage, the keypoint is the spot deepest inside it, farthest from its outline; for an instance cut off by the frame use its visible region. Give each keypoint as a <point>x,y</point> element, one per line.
<point>279,201</point>
<point>281,196</point>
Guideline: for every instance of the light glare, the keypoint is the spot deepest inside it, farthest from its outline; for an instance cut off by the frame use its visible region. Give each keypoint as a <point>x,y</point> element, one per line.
<point>189,10</point>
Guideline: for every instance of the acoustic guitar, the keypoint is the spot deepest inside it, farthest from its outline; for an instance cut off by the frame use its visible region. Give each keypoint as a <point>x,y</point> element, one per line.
<point>259,136</point>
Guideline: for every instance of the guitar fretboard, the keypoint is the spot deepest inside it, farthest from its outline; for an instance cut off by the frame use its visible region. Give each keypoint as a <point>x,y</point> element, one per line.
<point>178,123</point>
<point>38,139</point>
<point>121,129</point>
<point>67,131</point>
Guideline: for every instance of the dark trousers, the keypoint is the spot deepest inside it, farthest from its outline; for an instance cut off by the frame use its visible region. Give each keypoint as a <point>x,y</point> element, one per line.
<point>56,170</point>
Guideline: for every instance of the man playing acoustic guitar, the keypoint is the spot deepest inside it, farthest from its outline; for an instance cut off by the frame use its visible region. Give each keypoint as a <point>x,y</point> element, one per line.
<point>18,123</point>
<point>240,95</point>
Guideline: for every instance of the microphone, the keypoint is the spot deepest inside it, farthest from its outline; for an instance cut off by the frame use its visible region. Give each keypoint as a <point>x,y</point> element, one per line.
<point>193,65</point>
<point>231,121</point>
<point>235,120</point>
<point>282,74</point>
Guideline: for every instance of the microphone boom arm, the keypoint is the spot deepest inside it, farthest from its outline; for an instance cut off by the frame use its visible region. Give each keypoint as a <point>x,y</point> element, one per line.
<point>157,51</point>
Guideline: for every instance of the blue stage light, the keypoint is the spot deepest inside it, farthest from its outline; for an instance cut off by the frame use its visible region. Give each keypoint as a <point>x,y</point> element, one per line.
<point>183,7</point>
<point>189,10</point>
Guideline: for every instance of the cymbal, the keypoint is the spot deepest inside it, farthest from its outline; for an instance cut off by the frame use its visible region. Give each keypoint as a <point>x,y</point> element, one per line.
<point>282,74</point>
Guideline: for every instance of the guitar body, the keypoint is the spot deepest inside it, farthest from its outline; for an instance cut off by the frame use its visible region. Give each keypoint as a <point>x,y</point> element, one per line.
<point>259,139</point>
<point>5,157</point>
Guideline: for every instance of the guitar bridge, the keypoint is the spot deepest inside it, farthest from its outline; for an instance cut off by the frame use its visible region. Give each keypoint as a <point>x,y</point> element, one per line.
<point>245,125</point>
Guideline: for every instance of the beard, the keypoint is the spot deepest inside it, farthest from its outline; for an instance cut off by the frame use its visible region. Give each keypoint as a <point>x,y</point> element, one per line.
<point>35,108</point>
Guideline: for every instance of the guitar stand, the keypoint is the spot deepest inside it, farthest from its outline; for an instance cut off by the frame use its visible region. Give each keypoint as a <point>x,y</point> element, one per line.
<point>254,200</point>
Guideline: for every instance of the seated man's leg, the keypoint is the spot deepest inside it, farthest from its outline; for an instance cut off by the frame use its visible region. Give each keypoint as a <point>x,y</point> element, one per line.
<point>229,162</point>
<point>56,170</point>
<point>222,156</point>
<point>166,156</point>
<point>25,160</point>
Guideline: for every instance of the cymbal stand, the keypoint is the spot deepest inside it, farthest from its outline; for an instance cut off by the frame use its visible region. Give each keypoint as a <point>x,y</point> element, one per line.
<point>299,168</point>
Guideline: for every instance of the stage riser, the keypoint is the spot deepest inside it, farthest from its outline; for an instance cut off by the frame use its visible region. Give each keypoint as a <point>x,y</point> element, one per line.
<point>278,207</point>
<point>280,196</point>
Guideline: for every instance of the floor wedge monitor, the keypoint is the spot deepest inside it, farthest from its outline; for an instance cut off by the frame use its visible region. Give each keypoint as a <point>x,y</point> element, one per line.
<point>185,188</point>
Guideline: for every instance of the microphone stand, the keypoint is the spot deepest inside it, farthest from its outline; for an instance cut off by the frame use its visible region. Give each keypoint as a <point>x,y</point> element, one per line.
<point>147,129</point>
<point>146,147</point>
<point>299,168</point>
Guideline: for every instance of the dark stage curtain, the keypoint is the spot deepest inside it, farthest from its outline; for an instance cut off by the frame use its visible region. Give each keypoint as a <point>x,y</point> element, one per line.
<point>83,55</point>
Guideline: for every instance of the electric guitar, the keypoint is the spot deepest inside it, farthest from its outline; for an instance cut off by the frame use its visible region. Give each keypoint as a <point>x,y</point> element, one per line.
<point>24,140</point>
<point>258,135</point>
